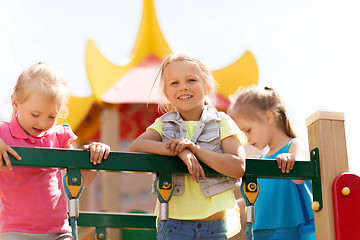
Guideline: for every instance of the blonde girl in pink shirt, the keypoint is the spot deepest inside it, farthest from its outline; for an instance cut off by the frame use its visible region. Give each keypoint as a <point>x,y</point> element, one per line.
<point>33,202</point>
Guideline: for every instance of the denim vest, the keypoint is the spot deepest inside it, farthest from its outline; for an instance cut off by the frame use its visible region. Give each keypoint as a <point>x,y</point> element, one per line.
<point>206,135</point>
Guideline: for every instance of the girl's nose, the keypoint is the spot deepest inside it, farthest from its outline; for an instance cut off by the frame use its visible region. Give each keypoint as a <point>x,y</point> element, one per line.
<point>183,86</point>
<point>42,123</point>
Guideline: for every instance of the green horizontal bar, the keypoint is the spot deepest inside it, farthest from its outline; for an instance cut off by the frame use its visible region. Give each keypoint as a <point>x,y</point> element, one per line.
<point>117,161</point>
<point>116,220</point>
<point>269,169</point>
<point>143,162</point>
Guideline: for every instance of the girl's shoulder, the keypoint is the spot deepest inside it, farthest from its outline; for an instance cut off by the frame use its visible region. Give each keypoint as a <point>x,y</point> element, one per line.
<point>61,128</point>
<point>4,124</point>
<point>228,128</point>
<point>291,144</point>
<point>64,134</point>
<point>4,128</point>
<point>157,126</point>
<point>224,117</point>
<point>227,122</point>
<point>300,149</point>
<point>296,143</point>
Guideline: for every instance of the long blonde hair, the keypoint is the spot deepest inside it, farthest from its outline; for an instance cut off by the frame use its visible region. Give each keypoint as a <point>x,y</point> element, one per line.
<point>43,79</point>
<point>247,102</point>
<point>210,83</point>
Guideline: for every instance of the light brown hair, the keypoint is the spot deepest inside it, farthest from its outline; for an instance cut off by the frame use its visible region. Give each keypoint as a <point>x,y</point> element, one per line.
<point>43,79</point>
<point>250,102</point>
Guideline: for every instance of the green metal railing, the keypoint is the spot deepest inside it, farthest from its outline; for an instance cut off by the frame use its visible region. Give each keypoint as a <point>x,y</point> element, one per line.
<point>75,160</point>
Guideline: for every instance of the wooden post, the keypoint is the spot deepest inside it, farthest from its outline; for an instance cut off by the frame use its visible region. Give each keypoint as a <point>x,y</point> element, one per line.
<point>109,180</point>
<point>326,132</point>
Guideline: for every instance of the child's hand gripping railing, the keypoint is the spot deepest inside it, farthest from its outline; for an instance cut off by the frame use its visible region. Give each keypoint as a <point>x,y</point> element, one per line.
<point>269,169</point>
<point>74,160</point>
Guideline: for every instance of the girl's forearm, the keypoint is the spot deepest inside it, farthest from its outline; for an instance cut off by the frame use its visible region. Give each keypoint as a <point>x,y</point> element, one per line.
<point>88,176</point>
<point>224,163</point>
<point>150,146</point>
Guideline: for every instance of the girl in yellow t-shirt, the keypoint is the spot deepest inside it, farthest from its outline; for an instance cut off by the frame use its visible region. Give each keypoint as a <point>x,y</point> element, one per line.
<point>202,207</point>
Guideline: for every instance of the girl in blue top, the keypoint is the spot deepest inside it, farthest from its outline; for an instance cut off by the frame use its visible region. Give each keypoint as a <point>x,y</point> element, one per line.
<point>202,207</point>
<point>283,208</point>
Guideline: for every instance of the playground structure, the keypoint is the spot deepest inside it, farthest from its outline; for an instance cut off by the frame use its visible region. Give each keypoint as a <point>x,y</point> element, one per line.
<point>328,170</point>
<point>122,105</point>
<point>106,114</point>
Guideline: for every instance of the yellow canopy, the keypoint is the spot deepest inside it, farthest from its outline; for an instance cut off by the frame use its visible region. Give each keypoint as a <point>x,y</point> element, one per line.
<point>105,77</point>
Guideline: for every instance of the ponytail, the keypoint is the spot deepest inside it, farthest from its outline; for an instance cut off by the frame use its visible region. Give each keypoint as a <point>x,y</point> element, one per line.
<point>280,112</point>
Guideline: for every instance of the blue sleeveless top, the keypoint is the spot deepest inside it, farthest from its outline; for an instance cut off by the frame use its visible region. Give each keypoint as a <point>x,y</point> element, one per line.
<point>281,202</point>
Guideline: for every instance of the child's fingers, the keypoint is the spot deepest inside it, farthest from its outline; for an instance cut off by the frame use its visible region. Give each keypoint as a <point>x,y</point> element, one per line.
<point>195,176</point>
<point>1,163</point>
<point>5,158</point>
<point>98,152</point>
<point>279,162</point>
<point>7,161</point>
<point>92,149</point>
<point>169,143</point>
<point>93,152</point>
<point>101,154</point>
<point>107,152</point>
<point>14,153</point>
<point>291,163</point>
<point>283,165</point>
<point>199,173</point>
<point>172,145</point>
<point>288,167</point>
<point>179,147</point>
<point>288,163</point>
<point>190,167</point>
<point>285,162</point>
<point>202,173</point>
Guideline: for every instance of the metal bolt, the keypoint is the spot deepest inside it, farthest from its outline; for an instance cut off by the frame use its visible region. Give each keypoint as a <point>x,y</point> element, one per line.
<point>166,184</point>
<point>101,236</point>
<point>74,180</point>
<point>313,153</point>
<point>252,187</point>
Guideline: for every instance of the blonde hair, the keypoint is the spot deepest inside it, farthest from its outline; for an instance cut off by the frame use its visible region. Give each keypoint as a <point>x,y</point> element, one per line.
<point>249,102</point>
<point>43,79</point>
<point>209,81</point>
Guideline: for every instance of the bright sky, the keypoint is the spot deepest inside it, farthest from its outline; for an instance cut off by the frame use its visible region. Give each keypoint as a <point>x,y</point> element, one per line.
<point>308,50</point>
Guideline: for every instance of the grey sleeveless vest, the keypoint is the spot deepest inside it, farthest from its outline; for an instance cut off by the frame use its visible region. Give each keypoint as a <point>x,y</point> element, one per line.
<point>206,135</point>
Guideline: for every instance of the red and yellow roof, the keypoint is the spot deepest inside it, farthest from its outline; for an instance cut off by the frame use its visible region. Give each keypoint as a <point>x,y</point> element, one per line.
<point>131,83</point>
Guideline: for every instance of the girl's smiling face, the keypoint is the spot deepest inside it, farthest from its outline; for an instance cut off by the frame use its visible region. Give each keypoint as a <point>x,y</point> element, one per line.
<point>36,114</point>
<point>185,89</point>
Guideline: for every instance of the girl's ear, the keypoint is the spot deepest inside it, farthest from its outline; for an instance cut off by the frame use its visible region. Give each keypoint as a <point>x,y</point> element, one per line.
<point>14,102</point>
<point>269,117</point>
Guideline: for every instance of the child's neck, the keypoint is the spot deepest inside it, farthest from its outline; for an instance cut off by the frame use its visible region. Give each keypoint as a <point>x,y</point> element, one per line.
<point>191,115</point>
<point>279,140</point>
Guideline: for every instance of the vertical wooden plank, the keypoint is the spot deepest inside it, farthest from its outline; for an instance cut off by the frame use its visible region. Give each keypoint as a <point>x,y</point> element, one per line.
<point>326,131</point>
<point>109,180</point>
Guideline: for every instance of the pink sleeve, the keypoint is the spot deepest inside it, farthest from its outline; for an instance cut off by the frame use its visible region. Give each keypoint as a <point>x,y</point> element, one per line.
<point>68,136</point>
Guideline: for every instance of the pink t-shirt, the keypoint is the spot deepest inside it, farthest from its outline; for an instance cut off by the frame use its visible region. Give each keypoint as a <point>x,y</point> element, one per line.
<point>33,199</point>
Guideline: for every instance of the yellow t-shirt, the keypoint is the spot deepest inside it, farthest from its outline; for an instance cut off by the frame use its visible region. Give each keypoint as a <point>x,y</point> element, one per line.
<point>192,204</point>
